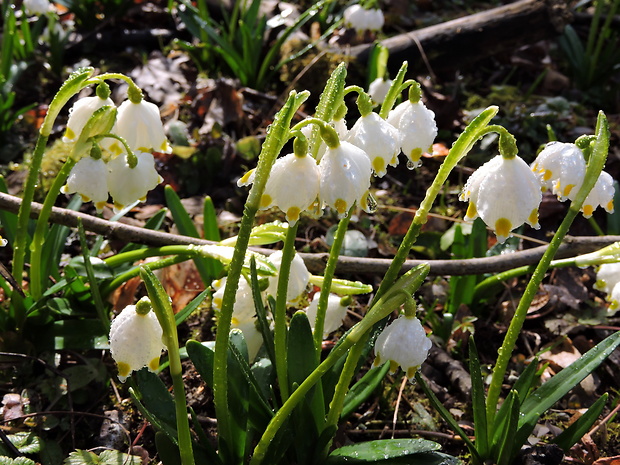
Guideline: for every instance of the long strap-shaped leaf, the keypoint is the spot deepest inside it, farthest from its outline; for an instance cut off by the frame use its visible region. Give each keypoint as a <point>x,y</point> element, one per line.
<point>552,391</point>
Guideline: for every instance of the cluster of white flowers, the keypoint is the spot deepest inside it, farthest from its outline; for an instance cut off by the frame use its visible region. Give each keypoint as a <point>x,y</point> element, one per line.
<point>506,193</point>
<point>126,177</point>
<point>131,352</point>
<point>361,20</point>
<point>341,173</point>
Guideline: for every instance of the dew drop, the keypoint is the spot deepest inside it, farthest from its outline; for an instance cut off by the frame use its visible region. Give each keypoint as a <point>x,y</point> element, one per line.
<point>411,164</point>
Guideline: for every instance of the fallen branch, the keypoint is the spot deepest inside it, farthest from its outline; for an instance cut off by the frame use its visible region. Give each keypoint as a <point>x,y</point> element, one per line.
<point>451,44</point>
<point>571,247</point>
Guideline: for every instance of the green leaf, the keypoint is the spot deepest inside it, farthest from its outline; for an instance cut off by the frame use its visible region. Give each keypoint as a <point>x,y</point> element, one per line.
<point>447,416</point>
<point>156,398</point>
<point>154,223</point>
<point>186,227</point>
<point>201,356</point>
<point>478,401</point>
<point>4,460</point>
<point>363,389</point>
<point>181,316</point>
<point>26,442</point>
<point>571,435</point>
<point>553,390</point>
<point>211,232</point>
<point>507,445</point>
<point>167,450</point>
<point>376,451</point>
<point>526,380</point>
<point>115,457</point>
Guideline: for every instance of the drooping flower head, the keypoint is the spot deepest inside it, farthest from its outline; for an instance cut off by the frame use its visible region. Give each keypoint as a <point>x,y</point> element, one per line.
<point>404,343</point>
<point>80,113</point>
<point>334,314</point>
<point>345,177</point>
<point>127,184</point>
<point>140,125</point>
<point>89,179</point>
<point>561,167</point>
<point>504,193</point>
<point>417,126</point>
<point>361,20</point>
<point>378,89</point>
<point>379,139</point>
<point>607,276</point>
<point>136,339</point>
<point>293,185</point>
<point>244,313</point>
<point>298,280</point>
<point>602,194</point>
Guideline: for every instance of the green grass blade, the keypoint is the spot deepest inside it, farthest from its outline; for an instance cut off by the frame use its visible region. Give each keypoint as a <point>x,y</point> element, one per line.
<point>363,389</point>
<point>553,390</point>
<point>479,406</point>
<point>571,435</point>
<point>187,228</point>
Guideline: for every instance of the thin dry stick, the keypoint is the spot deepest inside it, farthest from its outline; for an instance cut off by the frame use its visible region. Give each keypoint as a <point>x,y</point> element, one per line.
<point>396,407</point>
<point>315,262</point>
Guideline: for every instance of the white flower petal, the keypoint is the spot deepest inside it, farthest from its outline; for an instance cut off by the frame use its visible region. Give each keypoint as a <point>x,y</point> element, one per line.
<point>379,139</point>
<point>345,177</point>
<point>126,184</point>
<point>298,279</point>
<point>89,179</point>
<point>135,341</point>
<point>417,126</point>
<point>80,113</point>
<point>602,194</point>
<point>404,343</point>
<point>140,125</point>
<point>334,314</point>
<point>505,194</point>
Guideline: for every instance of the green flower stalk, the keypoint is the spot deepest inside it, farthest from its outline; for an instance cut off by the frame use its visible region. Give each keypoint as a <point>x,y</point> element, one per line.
<point>165,315</point>
<point>76,82</point>
<point>276,138</point>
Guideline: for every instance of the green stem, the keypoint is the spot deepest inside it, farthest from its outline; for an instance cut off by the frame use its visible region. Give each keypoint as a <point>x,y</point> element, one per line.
<point>106,290</point>
<point>505,352</point>
<point>165,315</point>
<point>383,307</point>
<point>328,276</point>
<point>23,216</point>
<point>76,82</point>
<point>38,240</point>
<point>460,148</point>
<point>140,254</point>
<point>276,137</point>
<point>593,171</point>
<point>279,330</point>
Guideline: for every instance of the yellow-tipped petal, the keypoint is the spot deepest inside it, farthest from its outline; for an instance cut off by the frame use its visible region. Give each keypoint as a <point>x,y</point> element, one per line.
<point>503,226</point>
<point>415,154</point>
<point>472,212</point>
<point>292,214</point>
<point>265,201</point>
<point>587,210</point>
<point>341,206</point>
<point>533,218</point>
<point>154,364</point>
<point>123,369</point>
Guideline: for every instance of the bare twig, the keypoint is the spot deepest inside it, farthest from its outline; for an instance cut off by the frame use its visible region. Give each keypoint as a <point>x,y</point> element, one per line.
<point>315,262</point>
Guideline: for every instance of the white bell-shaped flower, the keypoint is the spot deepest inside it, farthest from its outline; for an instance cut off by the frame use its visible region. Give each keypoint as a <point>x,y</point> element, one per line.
<point>244,313</point>
<point>379,139</point>
<point>334,314</point>
<point>345,177</point>
<point>127,184</point>
<point>140,125</point>
<point>561,167</point>
<point>607,276</point>
<point>298,280</point>
<point>293,185</point>
<point>601,194</point>
<point>80,113</point>
<point>135,341</point>
<point>361,20</point>
<point>89,179</point>
<point>404,343</point>
<point>614,300</point>
<point>339,125</point>
<point>505,193</point>
<point>37,7</point>
<point>378,89</point>
<point>418,129</point>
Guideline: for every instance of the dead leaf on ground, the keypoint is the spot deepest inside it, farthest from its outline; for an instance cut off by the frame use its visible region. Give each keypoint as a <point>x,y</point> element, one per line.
<point>560,357</point>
